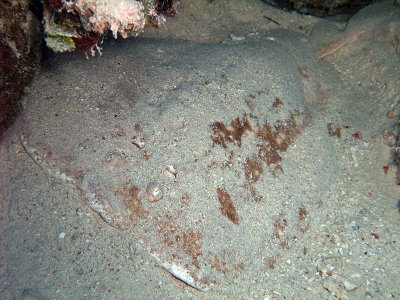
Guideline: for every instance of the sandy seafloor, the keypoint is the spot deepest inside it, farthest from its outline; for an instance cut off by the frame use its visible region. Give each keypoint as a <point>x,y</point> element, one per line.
<point>175,82</point>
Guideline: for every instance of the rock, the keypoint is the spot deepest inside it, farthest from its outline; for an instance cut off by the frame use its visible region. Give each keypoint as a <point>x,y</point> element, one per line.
<point>70,25</point>
<point>20,42</point>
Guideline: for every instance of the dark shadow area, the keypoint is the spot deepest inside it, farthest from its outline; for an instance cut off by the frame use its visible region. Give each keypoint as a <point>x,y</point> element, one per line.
<point>20,50</point>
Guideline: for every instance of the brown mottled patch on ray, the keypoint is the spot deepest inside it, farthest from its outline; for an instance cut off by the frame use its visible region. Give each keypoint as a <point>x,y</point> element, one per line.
<point>253,170</point>
<point>303,224</point>
<point>268,154</point>
<point>227,208</point>
<point>285,245</point>
<point>302,213</point>
<point>273,141</point>
<point>176,236</point>
<point>231,160</point>
<point>283,134</point>
<point>335,130</point>
<point>219,265</point>
<point>224,263</point>
<point>279,227</point>
<point>133,203</point>
<point>253,192</point>
<point>231,134</point>
<point>192,245</point>
<point>278,138</point>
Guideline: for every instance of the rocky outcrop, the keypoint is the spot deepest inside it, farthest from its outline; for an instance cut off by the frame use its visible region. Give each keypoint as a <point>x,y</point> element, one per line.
<point>20,42</point>
<point>81,24</point>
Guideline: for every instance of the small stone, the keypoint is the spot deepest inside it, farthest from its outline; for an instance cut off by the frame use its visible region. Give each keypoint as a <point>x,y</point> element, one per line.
<point>61,235</point>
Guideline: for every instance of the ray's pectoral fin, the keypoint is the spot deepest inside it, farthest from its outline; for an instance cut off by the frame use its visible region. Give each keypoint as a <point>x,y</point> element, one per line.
<point>45,160</point>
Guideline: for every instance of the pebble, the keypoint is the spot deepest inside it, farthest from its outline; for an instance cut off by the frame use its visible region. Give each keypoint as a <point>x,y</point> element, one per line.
<point>61,235</point>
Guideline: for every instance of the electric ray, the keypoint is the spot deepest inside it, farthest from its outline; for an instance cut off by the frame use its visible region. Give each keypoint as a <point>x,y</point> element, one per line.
<point>209,155</point>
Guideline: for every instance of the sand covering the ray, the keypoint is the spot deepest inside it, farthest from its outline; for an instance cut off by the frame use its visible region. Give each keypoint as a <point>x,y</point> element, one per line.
<point>256,170</point>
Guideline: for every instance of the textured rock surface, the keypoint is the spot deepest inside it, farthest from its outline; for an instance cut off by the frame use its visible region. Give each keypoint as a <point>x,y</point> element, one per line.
<point>81,24</point>
<point>20,42</point>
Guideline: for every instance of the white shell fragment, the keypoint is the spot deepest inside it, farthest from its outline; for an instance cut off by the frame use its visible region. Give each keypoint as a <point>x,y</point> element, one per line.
<point>181,273</point>
<point>138,142</point>
<point>154,192</point>
<point>170,172</point>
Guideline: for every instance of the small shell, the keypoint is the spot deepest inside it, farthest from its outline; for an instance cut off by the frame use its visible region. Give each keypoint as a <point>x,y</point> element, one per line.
<point>170,172</point>
<point>154,192</point>
<point>138,142</point>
